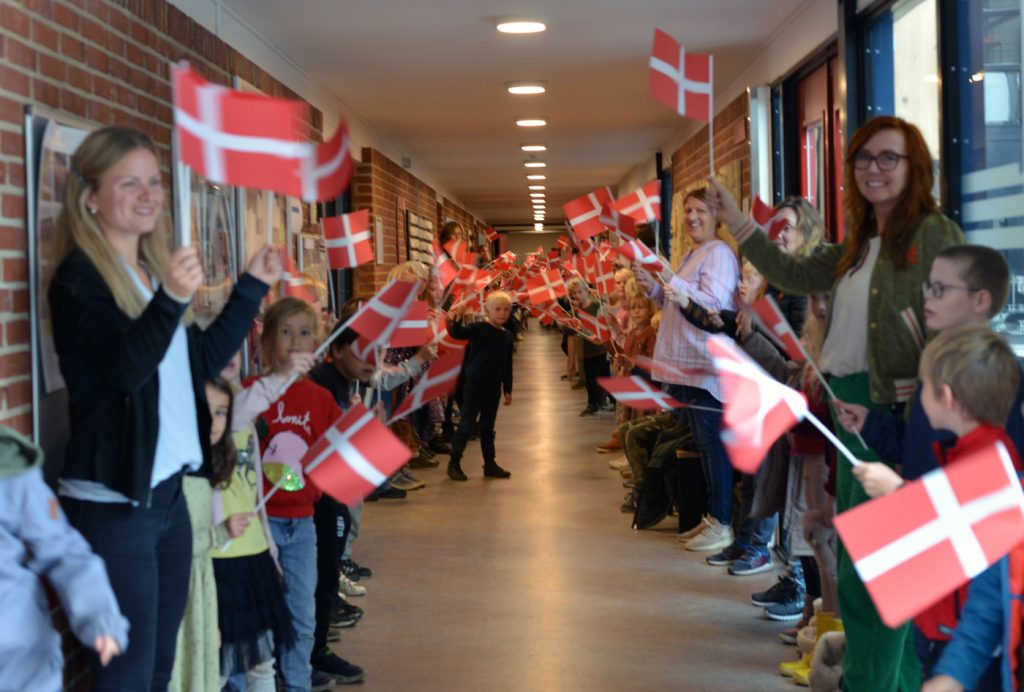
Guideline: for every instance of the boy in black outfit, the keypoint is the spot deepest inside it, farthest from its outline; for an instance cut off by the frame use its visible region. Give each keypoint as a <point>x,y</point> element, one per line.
<point>488,369</point>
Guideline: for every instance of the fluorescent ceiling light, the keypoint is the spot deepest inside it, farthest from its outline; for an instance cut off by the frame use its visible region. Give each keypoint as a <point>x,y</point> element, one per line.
<point>531,122</point>
<point>536,176</point>
<point>534,147</point>
<point>525,88</point>
<point>538,227</point>
<point>521,26</point>
<point>537,194</point>
<point>536,187</point>
<point>534,164</point>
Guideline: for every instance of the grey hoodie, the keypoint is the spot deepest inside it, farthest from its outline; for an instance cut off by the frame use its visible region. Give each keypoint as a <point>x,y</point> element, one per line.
<point>37,541</point>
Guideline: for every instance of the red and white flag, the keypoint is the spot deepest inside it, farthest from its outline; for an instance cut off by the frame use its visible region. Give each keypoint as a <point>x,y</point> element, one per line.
<point>774,322</point>
<point>445,269</point>
<point>364,350</point>
<point>604,277</point>
<point>584,213</point>
<point>446,342</point>
<point>614,220</point>
<point>665,372</point>
<point>638,392</point>
<point>545,287</point>
<point>379,317</point>
<point>916,545</point>
<point>471,302</point>
<point>250,140</point>
<point>679,79</point>
<point>293,282</point>
<point>635,251</point>
<point>490,234</point>
<point>596,325</point>
<point>505,261</point>
<point>347,238</point>
<point>458,250</point>
<point>758,409</point>
<point>356,454</point>
<point>414,328</point>
<point>438,381</point>
<point>767,219</point>
<point>643,204</point>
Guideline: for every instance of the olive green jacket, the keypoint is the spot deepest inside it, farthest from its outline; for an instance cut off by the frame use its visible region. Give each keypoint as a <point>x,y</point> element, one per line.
<point>896,333</point>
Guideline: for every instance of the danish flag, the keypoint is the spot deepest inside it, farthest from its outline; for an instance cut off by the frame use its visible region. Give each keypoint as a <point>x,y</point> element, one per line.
<point>293,282</point>
<point>347,238</point>
<point>471,302</point>
<point>379,317</point>
<point>635,251</point>
<point>545,287</point>
<point>643,204</point>
<point>446,342</point>
<point>766,218</point>
<point>758,409</point>
<point>679,79</point>
<point>639,393</point>
<point>490,234</point>
<point>622,224</point>
<point>364,350</point>
<point>584,213</point>
<point>604,277</point>
<point>356,454</point>
<point>769,314</point>
<point>446,269</point>
<point>414,328</point>
<point>596,325</point>
<point>458,250</point>
<point>438,381</point>
<point>918,544</point>
<point>250,140</point>
<point>505,261</point>
<point>661,371</point>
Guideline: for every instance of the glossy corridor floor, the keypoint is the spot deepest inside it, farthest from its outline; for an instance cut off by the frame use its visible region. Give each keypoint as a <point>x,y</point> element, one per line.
<point>538,582</point>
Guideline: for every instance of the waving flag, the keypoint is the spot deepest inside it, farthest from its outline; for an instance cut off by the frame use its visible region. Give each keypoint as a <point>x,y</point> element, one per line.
<point>918,544</point>
<point>596,325</point>
<point>438,381</point>
<point>505,261</point>
<point>379,317</point>
<point>638,393</point>
<point>635,251</point>
<point>347,239</point>
<point>446,342</point>
<point>679,79</point>
<point>356,454</point>
<point>490,234</point>
<point>414,328</point>
<point>643,204</point>
<point>604,277</point>
<point>584,213</point>
<point>545,287</point>
<point>769,314</point>
<point>364,350</point>
<point>446,269</point>
<point>758,409</point>
<point>458,250</point>
<point>293,283</point>
<point>622,224</point>
<point>766,217</point>
<point>664,372</point>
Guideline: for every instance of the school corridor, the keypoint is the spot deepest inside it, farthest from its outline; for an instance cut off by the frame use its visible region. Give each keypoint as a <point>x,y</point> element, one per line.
<point>538,582</point>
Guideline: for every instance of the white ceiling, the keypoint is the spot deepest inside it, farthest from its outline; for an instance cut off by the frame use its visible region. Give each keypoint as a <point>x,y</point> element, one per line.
<point>430,75</point>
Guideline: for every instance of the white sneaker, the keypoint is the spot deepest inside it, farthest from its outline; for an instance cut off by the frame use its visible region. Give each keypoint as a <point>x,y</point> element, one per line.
<point>347,587</point>
<point>713,536</point>
<point>687,535</point>
<point>619,463</point>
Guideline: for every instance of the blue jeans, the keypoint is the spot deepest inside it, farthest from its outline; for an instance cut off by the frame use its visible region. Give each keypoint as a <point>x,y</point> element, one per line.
<point>706,427</point>
<point>751,532</point>
<point>296,544</point>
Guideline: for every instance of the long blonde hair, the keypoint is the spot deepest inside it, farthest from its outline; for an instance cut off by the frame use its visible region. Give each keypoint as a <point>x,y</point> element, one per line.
<point>77,229</point>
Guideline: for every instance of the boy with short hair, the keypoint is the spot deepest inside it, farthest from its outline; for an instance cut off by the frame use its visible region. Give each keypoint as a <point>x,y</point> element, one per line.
<point>488,369</point>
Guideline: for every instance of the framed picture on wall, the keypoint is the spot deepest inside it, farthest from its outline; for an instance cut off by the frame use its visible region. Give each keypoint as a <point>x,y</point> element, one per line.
<point>419,238</point>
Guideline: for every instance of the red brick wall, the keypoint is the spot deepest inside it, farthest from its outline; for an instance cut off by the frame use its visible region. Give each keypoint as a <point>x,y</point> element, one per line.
<point>106,62</point>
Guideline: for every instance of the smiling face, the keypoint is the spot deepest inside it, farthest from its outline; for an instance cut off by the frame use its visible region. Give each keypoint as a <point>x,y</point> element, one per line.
<point>295,334</point>
<point>129,195</point>
<point>882,189</point>
<point>700,220</point>
<point>789,238</point>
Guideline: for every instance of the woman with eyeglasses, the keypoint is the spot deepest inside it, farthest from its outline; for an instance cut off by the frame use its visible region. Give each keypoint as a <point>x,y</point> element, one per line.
<point>874,337</point>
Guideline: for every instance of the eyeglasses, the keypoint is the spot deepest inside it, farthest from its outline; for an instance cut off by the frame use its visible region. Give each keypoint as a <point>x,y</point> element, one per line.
<point>886,161</point>
<point>938,289</point>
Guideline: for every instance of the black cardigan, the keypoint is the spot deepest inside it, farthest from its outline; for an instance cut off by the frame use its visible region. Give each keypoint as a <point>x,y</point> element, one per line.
<point>109,362</point>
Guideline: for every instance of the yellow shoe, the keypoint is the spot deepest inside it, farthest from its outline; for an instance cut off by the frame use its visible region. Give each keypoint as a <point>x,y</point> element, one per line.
<point>828,622</point>
<point>802,677</point>
<point>789,668</point>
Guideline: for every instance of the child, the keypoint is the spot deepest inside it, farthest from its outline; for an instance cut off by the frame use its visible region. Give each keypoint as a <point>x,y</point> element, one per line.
<point>595,359</point>
<point>292,424</point>
<point>488,369</point>
<point>196,659</point>
<point>38,542</point>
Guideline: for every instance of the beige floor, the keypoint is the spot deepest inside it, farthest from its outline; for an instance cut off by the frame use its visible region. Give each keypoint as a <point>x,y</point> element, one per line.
<point>537,582</point>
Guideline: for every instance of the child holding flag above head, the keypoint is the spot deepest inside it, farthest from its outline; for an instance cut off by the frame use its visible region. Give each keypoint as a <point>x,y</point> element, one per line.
<point>488,369</point>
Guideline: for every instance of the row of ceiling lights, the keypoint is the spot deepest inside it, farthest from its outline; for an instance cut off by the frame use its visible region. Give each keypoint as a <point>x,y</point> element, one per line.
<point>537,195</point>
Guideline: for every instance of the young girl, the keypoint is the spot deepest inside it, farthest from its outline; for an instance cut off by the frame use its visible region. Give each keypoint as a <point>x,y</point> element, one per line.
<point>196,663</point>
<point>292,424</point>
<point>595,359</point>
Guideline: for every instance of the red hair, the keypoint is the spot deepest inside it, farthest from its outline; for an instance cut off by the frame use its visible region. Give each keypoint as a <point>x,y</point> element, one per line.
<point>914,204</point>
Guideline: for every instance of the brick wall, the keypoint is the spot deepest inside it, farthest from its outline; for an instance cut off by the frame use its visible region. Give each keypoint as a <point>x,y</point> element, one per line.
<point>690,163</point>
<point>106,62</point>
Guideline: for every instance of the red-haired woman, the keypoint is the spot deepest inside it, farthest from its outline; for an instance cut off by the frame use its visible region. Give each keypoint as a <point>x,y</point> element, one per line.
<point>874,338</point>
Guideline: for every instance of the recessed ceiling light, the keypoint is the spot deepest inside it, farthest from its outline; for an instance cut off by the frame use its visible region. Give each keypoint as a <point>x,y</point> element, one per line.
<point>531,122</point>
<point>525,88</point>
<point>521,26</point>
<point>538,227</point>
<point>536,176</point>
<point>534,147</point>
<point>534,164</point>
<point>537,194</point>
<point>536,187</point>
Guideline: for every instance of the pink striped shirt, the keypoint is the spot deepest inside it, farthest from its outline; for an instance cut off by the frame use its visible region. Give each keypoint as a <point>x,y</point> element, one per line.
<point>709,275</point>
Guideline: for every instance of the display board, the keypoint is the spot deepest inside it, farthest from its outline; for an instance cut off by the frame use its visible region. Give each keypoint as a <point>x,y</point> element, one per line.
<point>419,238</point>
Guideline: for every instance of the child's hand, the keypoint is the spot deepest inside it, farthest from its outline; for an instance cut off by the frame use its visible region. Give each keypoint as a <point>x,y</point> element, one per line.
<point>877,478</point>
<point>508,399</point>
<point>237,523</point>
<point>300,363</point>
<point>427,352</point>
<point>184,273</point>
<point>265,265</point>
<point>942,683</point>
<point>106,646</point>
<point>851,416</point>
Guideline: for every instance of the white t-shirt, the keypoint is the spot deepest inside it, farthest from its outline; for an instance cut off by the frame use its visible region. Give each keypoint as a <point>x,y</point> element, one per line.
<point>845,350</point>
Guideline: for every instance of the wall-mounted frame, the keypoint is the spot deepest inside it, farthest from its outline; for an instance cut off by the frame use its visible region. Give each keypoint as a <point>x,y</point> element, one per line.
<point>419,238</point>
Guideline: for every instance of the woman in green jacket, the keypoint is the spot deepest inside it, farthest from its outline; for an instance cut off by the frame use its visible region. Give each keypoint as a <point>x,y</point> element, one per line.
<point>875,335</point>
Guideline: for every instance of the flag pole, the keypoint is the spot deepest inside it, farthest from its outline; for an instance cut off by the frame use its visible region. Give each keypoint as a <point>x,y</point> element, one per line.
<point>182,175</point>
<point>830,436</point>
<point>711,114</point>
<point>270,219</point>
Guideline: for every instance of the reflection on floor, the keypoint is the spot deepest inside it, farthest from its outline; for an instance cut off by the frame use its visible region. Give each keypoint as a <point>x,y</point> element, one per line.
<point>537,582</point>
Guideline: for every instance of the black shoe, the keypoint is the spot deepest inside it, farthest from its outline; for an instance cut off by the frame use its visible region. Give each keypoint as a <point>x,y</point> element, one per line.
<point>438,446</point>
<point>343,672</point>
<point>389,492</point>
<point>492,470</point>
<point>373,496</point>
<point>588,410</point>
<point>333,635</point>
<point>343,606</point>
<point>423,461</point>
<point>354,571</point>
<point>455,472</point>
<point>321,682</point>
<point>341,619</point>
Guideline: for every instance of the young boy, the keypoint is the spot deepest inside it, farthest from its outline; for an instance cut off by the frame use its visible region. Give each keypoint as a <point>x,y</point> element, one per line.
<point>37,541</point>
<point>488,370</point>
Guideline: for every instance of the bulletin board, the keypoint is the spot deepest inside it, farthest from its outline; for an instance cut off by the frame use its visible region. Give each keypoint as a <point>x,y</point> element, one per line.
<point>419,238</point>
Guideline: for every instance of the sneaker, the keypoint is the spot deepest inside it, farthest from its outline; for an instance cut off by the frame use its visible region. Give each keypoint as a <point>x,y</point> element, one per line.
<point>423,460</point>
<point>333,635</point>
<point>343,672</point>
<point>713,536</point>
<point>690,533</point>
<point>406,475</point>
<point>347,587</point>
<point>787,611</point>
<point>726,557</point>
<point>320,682</point>
<point>400,482</point>
<point>390,492</point>
<point>608,405</point>
<point>781,591</point>
<point>753,561</point>
<point>619,463</point>
<point>629,504</point>
<point>340,620</point>
<point>355,571</point>
<point>343,606</point>
<point>588,410</point>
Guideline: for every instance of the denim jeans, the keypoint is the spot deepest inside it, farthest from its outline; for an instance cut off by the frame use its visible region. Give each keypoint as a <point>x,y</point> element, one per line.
<point>259,679</point>
<point>707,433</point>
<point>296,544</point>
<point>751,532</point>
<point>355,515</point>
